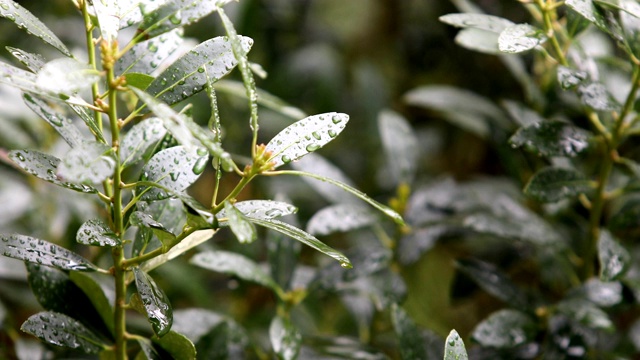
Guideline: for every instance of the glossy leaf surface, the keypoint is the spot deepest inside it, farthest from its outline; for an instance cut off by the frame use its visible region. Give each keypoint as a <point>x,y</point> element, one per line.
<point>614,258</point>
<point>148,56</point>
<point>263,209</point>
<point>554,184</point>
<point>140,139</point>
<point>597,97</point>
<point>454,347</point>
<point>89,163</point>
<point>177,345</point>
<point>63,125</point>
<point>141,219</point>
<point>305,136</point>
<point>411,343</point>
<point>285,338</point>
<point>552,138</point>
<point>520,38</point>
<point>95,232</point>
<point>100,291</point>
<point>505,329</point>
<point>495,282</point>
<point>33,62</point>
<point>174,168</point>
<point>13,11</point>
<point>62,330</point>
<point>42,252</point>
<point>586,313</point>
<point>315,163</point>
<point>400,146</point>
<point>174,14</point>
<point>66,76</point>
<point>244,230</point>
<point>340,218</point>
<point>155,302</point>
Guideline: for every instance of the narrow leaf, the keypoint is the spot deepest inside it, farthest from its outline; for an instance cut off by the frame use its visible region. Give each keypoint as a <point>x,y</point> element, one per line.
<point>25,20</point>
<point>139,139</point>
<point>141,219</point>
<point>95,232</point>
<point>477,21</point>
<point>305,136</point>
<point>177,345</point>
<point>317,164</point>
<point>304,238</point>
<point>454,347</point>
<point>108,14</point>
<point>570,78</point>
<point>147,56</point>
<point>174,168</point>
<point>587,9</point>
<point>44,166</point>
<point>89,163</point>
<point>411,343</point>
<point>89,120</point>
<point>596,96</point>
<point>262,209</point>
<point>33,62</point>
<point>400,146</point>
<point>156,303</point>
<point>553,184</point>
<point>244,231</point>
<point>478,40</point>
<point>175,14</point>
<point>552,138</point>
<point>66,76</point>
<point>586,313</point>
<point>505,329</point>
<point>614,258</point>
<point>42,252</point>
<point>186,76</point>
<point>188,243</point>
<point>100,291</point>
<point>520,38</point>
<point>63,125</point>
<point>285,339</point>
<point>138,80</point>
<point>237,265</point>
<point>340,218</point>
<point>265,99</point>
<point>62,330</point>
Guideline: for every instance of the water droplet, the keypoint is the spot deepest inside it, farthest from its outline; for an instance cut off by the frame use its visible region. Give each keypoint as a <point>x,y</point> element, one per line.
<point>312,147</point>
<point>153,47</point>
<point>316,135</point>
<point>199,166</point>
<point>175,19</point>
<point>336,119</point>
<point>4,6</point>
<point>345,265</point>
<point>20,156</point>
<point>201,69</point>
<point>332,133</point>
<point>174,176</point>
<point>10,17</point>
<point>153,64</point>
<point>163,82</point>
<point>201,151</point>
<point>285,159</point>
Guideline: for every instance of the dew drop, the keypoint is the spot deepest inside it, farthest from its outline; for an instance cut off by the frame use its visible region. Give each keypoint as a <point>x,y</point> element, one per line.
<point>153,47</point>
<point>175,19</point>
<point>199,166</point>
<point>285,159</point>
<point>201,69</point>
<point>316,135</point>
<point>332,133</point>
<point>20,156</point>
<point>345,265</point>
<point>174,176</point>
<point>4,6</point>
<point>336,119</point>
<point>312,147</point>
<point>163,82</point>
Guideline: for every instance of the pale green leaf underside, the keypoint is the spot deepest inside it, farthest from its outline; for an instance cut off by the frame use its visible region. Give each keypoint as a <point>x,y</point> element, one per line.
<point>454,347</point>
<point>340,218</point>
<point>42,252</point>
<point>506,328</point>
<point>25,20</point>
<point>400,145</point>
<point>178,13</point>
<point>236,88</point>
<point>62,330</point>
<point>139,139</point>
<point>66,76</point>
<point>614,258</point>
<point>108,14</point>
<point>285,338</point>
<point>320,166</point>
<point>191,241</point>
<point>156,303</point>
<point>63,125</point>
<point>305,136</point>
<point>97,233</point>
<point>87,163</point>
<point>520,38</point>
<point>477,21</point>
<point>147,56</point>
<point>33,62</point>
<point>244,231</point>
<point>262,209</point>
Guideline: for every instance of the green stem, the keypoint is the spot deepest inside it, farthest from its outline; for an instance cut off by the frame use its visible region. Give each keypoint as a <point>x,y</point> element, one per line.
<point>547,10</point>
<point>595,216</point>
<point>243,182</point>
<point>91,51</point>
<point>618,133</point>
<point>158,251</point>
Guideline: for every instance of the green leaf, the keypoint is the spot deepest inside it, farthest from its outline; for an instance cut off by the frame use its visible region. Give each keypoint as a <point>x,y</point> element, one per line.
<point>529,228</point>
<point>177,345</point>
<point>317,164</point>
<point>340,218</point>
<point>570,78</point>
<point>108,14</point>
<point>262,209</point>
<point>174,168</point>
<point>596,96</point>
<point>236,88</point>
<point>237,265</point>
<point>62,330</point>
<point>627,218</point>
<point>147,56</point>
<point>188,243</point>
<point>477,21</point>
<point>552,184</point>
<point>25,20</point>
<point>454,347</point>
<point>147,351</point>
<point>505,329</point>
<point>95,232</point>
<point>410,340</point>
<point>587,9</point>
<point>244,230</point>
<point>586,313</point>
<point>614,258</point>
<point>304,238</point>
<point>175,14</point>
<point>138,80</point>
<point>285,339</point>
<point>520,38</point>
<point>521,114</point>
<point>141,219</point>
<point>66,76</point>
<point>100,291</point>
<point>42,252</point>
<point>186,76</point>
<point>156,303</point>
<point>140,139</point>
<point>631,24</point>
<point>400,146</point>
<point>21,79</point>
<point>89,120</point>
<point>552,138</point>
<point>44,166</point>
<point>89,163</point>
<point>63,125</point>
<point>604,294</point>
<point>33,62</point>
<point>478,40</point>
<point>495,282</point>
<point>305,136</point>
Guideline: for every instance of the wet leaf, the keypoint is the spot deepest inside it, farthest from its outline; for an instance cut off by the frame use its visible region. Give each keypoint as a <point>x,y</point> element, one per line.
<point>141,219</point>
<point>42,252</point>
<point>477,21</point>
<point>140,139</point>
<point>627,218</point>
<point>63,125</point>
<point>505,329</point>
<point>283,256</point>
<point>596,96</point>
<point>454,347</point>
<point>62,330</point>
<point>44,166</point>
<point>305,136</point>
<point>520,38</point>
<point>100,291</point>
<point>303,237</point>
<point>148,56</point>
<point>108,14</point>
<point>570,78</point>
<point>66,76</point>
<point>410,339</point>
<point>186,76</point>
<point>188,243</point>
<point>495,282</point>
<point>21,79</point>
<point>601,293</point>
<point>88,163</point>
<point>317,164</point>
<point>532,229</point>
<point>25,20</point>
<point>552,184</point>
<point>89,120</point>
<point>177,345</point>
<point>138,80</point>
<point>244,230</point>
<point>340,218</point>
<point>147,351</point>
<point>477,40</point>
<point>237,265</point>
<point>175,14</point>
<point>262,209</point>
<point>155,302</point>
<point>631,24</point>
<point>586,313</point>
<point>95,232</point>
<point>33,62</point>
<point>552,138</point>
<point>400,146</point>
<point>614,258</point>
<point>587,9</point>
<point>285,338</point>
<point>174,168</point>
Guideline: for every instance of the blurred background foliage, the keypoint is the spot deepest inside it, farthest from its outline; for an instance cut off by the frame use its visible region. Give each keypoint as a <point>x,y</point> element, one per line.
<point>352,56</point>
